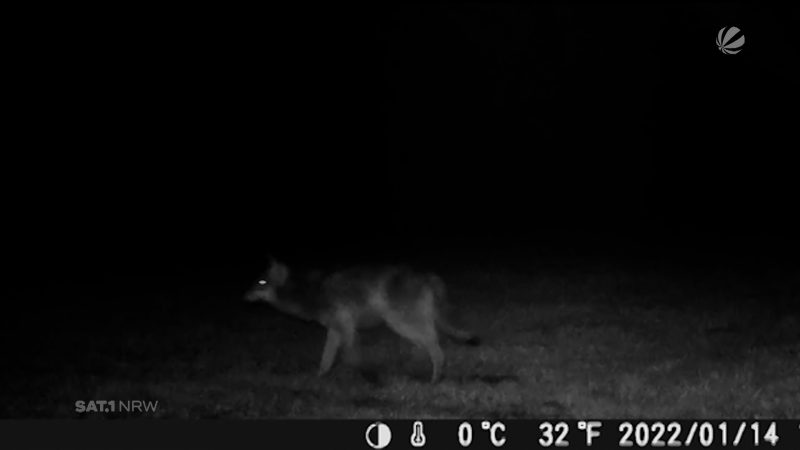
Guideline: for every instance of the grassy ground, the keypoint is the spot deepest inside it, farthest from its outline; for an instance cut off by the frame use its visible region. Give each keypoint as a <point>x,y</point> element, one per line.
<point>599,343</point>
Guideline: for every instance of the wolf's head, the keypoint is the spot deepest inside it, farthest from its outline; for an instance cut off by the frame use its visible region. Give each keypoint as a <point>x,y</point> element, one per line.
<point>264,289</point>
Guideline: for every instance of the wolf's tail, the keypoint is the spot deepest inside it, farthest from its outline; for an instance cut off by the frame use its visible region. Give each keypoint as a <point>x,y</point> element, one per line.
<point>442,324</point>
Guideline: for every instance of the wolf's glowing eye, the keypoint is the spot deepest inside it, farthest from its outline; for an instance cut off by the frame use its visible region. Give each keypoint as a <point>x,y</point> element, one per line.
<point>262,282</point>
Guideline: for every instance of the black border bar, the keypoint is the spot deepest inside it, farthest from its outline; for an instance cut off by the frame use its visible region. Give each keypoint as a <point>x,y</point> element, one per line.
<point>351,434</point>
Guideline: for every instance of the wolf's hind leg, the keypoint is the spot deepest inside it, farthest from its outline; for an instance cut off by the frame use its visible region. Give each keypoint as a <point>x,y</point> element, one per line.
<point>437,357</point>
<point>350,338</point>
<point>422,332</point>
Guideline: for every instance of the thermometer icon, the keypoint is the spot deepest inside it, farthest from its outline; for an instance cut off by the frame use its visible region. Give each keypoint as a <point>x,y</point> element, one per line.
<point>418,437</point>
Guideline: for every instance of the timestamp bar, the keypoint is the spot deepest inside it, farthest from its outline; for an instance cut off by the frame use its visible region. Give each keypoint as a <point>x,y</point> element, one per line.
<point>488,433</point>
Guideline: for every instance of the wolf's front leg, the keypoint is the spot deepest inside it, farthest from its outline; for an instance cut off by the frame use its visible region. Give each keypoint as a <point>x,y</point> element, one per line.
<point>332,344</point>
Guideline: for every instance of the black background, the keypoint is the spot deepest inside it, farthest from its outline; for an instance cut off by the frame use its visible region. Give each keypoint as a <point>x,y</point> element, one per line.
<point>175,144</point>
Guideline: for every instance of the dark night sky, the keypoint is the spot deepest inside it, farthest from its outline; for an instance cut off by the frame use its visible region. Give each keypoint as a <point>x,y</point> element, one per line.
<point>196,140</point>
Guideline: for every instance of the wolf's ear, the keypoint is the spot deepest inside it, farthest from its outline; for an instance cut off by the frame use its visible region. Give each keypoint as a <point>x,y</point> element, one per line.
<point>278,272</point>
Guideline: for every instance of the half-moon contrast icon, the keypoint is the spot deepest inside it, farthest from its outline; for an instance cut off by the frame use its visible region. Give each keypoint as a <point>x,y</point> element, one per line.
<point>378,435</point>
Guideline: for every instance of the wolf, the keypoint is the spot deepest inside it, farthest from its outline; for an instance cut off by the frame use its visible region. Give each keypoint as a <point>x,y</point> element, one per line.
<point>346,301</point>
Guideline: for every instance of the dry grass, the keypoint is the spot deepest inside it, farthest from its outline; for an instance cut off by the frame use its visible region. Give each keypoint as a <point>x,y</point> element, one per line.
<point>593,343</point>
